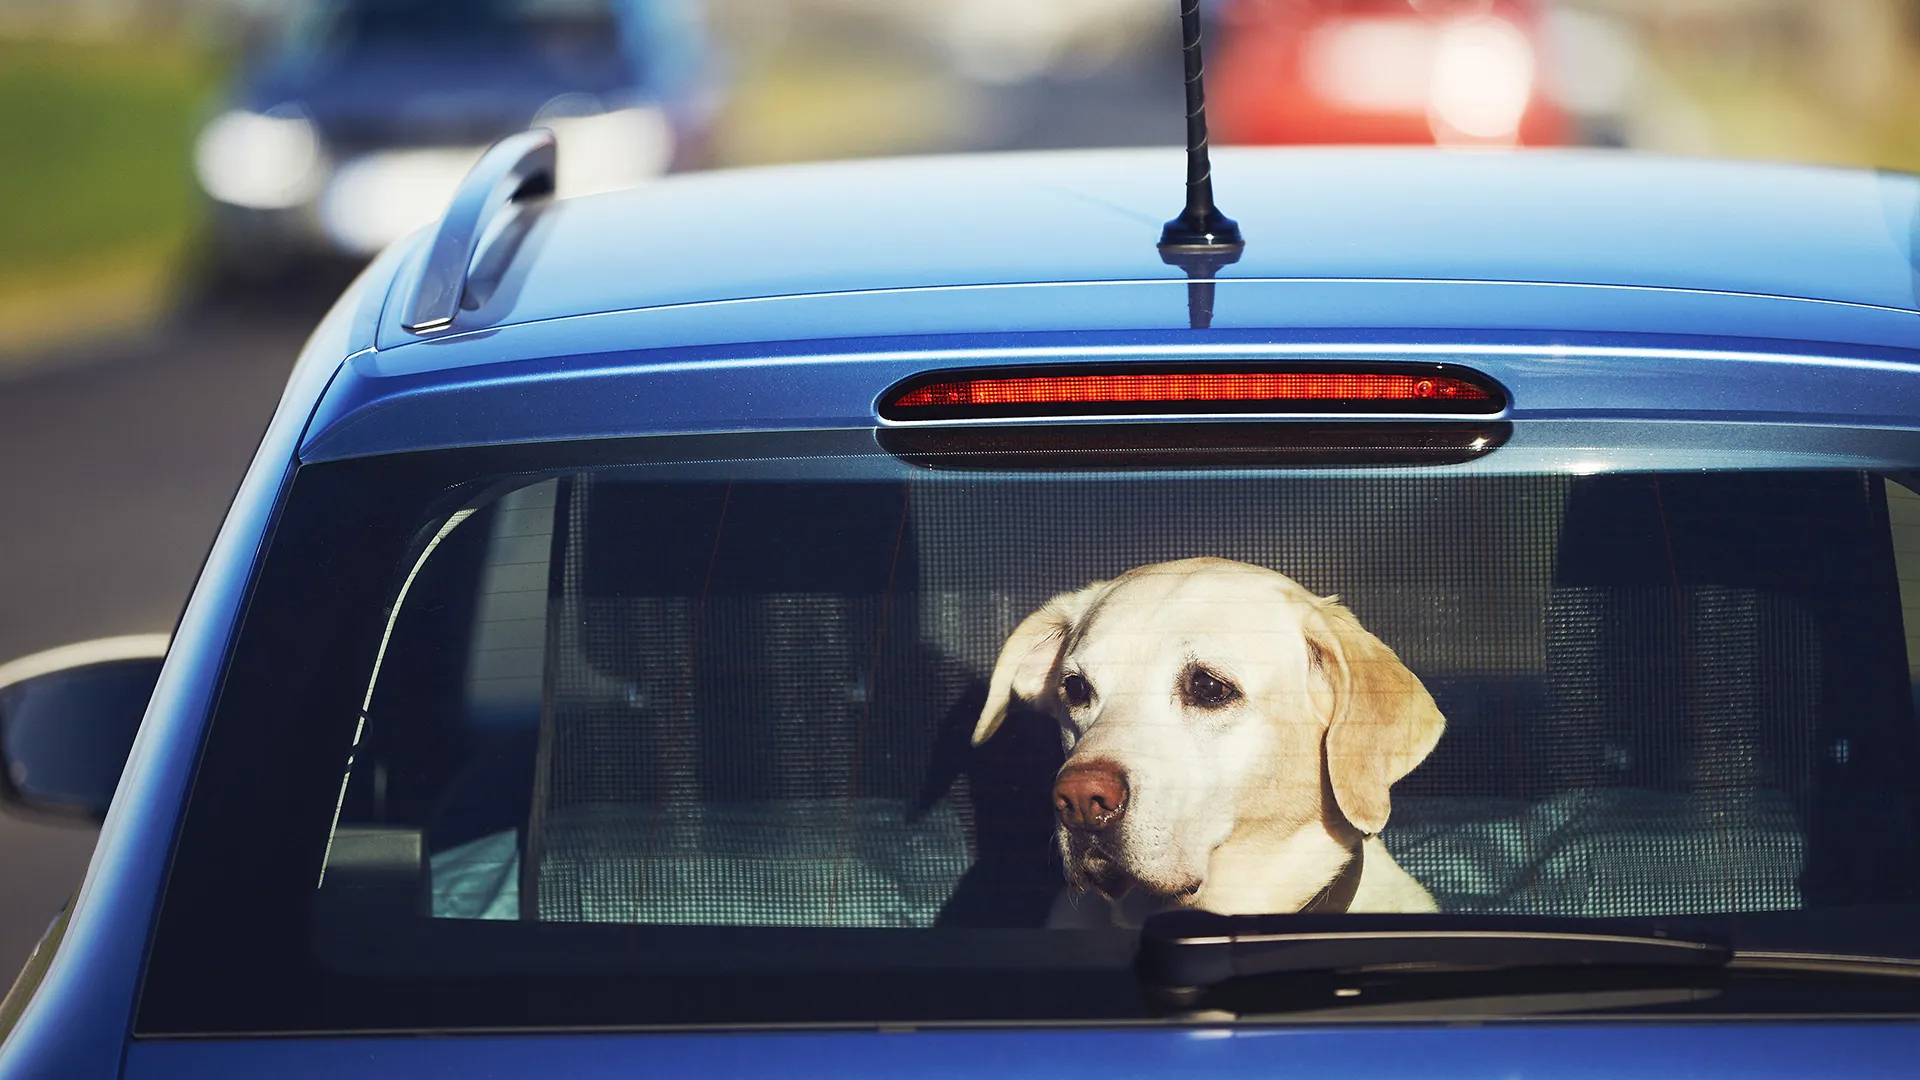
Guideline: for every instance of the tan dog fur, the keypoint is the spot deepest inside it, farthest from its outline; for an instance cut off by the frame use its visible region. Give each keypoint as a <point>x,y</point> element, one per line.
<point>1250,806</point>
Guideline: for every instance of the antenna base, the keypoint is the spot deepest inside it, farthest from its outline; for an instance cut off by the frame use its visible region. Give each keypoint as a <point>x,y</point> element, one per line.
<point>1201,254</point>
<point>1206,233</point>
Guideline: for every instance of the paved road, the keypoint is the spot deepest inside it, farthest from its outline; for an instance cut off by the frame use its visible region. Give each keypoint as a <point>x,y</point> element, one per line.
<point>116,467</point>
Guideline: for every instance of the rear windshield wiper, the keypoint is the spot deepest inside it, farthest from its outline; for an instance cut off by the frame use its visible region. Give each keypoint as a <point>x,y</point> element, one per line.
<point>1184,954</point>
<point>1204,967</point>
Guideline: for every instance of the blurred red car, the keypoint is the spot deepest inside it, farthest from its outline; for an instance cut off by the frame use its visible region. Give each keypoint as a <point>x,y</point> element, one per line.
<point>1454,72</point>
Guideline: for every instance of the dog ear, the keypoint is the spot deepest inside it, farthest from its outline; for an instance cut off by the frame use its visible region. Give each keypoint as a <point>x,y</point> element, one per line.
<point>1383,723</point>
<point>1030,657</point>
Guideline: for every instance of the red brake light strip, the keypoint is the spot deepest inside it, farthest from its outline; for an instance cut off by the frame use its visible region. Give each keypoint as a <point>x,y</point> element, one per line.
<point>1193,387</point>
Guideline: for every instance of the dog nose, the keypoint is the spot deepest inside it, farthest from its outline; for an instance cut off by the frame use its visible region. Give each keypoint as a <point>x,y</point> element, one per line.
<point>1090,796</point>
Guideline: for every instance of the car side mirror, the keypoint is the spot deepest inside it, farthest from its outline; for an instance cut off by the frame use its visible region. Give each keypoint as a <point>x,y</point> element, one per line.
<point>67,721</point>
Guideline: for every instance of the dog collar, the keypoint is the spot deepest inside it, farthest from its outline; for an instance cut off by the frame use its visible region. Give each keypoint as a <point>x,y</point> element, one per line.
<point>1337,896</point>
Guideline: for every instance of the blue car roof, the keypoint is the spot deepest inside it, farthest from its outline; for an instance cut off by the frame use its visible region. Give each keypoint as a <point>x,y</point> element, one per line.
<point>1568,217</point>
<point>698,295</point>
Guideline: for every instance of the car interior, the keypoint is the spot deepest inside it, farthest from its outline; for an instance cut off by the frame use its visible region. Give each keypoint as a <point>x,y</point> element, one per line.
<point>616,698</point>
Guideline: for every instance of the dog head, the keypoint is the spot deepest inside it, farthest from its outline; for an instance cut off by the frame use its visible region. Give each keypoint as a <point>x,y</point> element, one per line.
<point>1202,699</point>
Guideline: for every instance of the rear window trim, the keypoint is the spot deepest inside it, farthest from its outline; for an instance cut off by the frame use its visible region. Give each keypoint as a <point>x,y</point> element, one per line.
<point>443,479</point>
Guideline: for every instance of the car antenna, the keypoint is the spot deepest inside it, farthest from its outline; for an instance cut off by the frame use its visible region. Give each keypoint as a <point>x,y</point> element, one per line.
<point>1202,239</point>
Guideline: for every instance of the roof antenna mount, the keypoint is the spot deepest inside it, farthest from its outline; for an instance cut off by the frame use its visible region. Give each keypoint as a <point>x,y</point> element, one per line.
<point>1202,239</point>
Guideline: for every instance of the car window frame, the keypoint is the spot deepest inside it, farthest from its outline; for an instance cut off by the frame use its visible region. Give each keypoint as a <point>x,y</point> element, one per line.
<point>218,965</point>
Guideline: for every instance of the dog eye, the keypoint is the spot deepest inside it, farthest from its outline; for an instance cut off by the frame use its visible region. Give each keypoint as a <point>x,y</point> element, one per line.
<point>1203,689</point>
<point>1077,690</point>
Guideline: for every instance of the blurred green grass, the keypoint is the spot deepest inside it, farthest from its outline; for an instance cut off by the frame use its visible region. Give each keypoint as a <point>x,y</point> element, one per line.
<point>98,209</point>
<point>98,141</point>
<point>823,101</point>
<point>1758,116</point>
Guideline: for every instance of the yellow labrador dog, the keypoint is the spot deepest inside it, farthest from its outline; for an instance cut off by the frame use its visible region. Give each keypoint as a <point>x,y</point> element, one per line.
<point>1231,739</point>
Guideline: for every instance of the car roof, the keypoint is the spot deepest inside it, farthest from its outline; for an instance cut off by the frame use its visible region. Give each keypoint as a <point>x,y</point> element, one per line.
<point>684,304</point>
<point>1568,217</point>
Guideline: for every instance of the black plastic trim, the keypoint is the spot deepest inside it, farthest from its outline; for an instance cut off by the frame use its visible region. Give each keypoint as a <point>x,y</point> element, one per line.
<point>1098,447</point>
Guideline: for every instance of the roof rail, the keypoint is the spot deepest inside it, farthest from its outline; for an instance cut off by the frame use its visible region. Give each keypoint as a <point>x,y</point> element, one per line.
<point>516,167</point>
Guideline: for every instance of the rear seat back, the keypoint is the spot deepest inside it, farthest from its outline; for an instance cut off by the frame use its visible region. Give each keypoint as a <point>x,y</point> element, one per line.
<point>761,691</point>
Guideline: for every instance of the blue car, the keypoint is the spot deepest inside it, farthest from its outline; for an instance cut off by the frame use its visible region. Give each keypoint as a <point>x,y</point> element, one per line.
<point>900,618</point>
<point>353,125</point>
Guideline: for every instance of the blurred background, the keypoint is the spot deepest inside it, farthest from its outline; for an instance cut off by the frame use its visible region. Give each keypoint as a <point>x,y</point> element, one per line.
<point>187,183</point>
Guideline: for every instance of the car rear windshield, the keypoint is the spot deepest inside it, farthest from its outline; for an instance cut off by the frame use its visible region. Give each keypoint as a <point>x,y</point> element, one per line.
<point>779,729</point>
<point>408,22</point>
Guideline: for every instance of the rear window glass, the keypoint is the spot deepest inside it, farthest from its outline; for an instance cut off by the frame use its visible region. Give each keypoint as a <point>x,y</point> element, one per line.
<point>741,732</point>
<point>406,23</point>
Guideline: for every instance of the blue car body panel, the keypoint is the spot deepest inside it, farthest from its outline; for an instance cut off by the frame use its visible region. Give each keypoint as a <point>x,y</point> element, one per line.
<point>472,84</point>
<point>1589,283</point>
<point>1580,217</point>
<point>1592,286</point>
<point>1573,1052</point>
<point>475,90</point>
<point>528,383</point>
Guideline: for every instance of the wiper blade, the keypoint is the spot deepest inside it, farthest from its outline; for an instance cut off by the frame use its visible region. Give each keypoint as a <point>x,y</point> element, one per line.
<point>1451,995</point>
<point>1820,963</point>
<point>1190,951</point>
